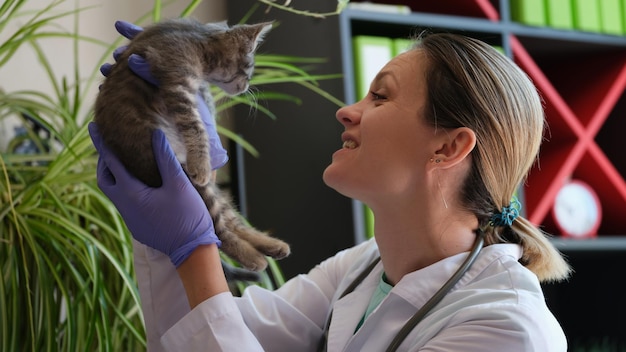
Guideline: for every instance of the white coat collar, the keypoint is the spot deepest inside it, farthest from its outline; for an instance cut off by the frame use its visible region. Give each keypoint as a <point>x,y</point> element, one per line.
<point>419,286</point>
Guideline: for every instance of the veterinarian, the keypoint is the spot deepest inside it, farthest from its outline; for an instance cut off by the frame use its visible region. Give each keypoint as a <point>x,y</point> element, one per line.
<point>437,150</point>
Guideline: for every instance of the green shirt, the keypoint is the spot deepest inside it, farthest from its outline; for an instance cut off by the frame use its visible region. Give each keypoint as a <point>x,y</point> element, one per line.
<point>381,292</point>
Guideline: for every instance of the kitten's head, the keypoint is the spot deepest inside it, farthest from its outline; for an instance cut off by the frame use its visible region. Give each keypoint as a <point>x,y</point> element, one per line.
<point>238,45</point>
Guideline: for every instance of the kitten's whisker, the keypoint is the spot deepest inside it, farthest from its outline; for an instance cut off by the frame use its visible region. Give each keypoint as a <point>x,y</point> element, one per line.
<point>252,99</point>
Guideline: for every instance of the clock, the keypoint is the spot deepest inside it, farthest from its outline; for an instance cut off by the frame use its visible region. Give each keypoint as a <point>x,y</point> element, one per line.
<point>577,210</point>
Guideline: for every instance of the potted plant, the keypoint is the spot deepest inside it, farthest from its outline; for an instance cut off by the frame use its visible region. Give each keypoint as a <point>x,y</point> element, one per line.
<point>65,253</point>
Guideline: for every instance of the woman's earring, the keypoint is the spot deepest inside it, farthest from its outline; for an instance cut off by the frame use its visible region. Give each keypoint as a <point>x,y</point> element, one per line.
<point>445,204</point>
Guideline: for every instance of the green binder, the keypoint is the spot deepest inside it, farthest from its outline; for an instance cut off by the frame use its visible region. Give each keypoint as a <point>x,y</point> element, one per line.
<point>401,45</point>
<point>370,55</point>
<point>611,19</point>
<point>587,15</point>
<point>559,14</point>
<point>530,12</point>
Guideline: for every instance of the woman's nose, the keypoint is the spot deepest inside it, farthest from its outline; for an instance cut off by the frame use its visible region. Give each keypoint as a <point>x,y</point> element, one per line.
<point>348,115</point>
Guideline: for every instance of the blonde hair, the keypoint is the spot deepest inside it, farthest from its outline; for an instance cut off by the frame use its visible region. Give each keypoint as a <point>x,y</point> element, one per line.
<point>472,85</point>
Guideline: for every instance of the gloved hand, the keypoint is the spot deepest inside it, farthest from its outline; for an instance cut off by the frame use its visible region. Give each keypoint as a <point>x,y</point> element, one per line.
<point>172,218</point>
<point>139,65</point>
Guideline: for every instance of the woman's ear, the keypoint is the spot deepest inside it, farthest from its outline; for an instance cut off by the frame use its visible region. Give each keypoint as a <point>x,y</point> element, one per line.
<point>456,145</point>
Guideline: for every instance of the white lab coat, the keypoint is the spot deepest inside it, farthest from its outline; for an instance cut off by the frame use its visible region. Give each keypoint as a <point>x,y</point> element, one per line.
<point>497,305</point>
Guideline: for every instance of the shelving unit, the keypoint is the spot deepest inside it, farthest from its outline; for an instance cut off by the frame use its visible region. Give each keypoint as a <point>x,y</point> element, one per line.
<point>581,77</point>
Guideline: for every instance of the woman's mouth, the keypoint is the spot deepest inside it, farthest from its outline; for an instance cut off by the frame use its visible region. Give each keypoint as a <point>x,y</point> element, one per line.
<point>349,144</point>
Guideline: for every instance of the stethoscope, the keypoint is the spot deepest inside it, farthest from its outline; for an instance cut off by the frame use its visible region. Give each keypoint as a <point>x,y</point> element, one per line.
<point>428,306</point>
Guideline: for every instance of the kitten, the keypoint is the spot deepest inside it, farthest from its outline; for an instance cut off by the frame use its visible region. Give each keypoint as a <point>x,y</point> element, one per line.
<point>185,56</point>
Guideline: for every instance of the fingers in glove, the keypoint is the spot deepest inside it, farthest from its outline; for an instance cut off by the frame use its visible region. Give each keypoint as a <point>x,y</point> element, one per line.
<point>219,155</point>
<point>104,175</point>
<point>96,138</point>
<point>141,68</point>
<point>127,29</point>
<point>113,171</point>
<point>118,52</point>
<point>169,166</point>
<point>106,68</point>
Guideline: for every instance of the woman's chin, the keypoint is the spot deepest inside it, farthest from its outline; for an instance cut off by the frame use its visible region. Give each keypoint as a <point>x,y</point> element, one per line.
<point>332,177</point>
<point>337,181</point>
<point>328,177</point>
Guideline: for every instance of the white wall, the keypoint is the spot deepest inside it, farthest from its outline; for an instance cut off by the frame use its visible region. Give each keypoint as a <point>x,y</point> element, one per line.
<point>23,71</point>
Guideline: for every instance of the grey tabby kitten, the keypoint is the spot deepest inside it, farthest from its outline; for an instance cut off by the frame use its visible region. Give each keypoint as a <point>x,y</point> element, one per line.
<point>185,56</point>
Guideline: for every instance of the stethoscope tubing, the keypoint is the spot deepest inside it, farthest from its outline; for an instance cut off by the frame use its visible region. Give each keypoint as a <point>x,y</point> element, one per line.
<point>439,295</point>
<point>426,308</point>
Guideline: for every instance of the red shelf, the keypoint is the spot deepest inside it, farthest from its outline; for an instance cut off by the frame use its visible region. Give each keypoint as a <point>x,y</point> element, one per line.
<point>580,93</point>
<point>598,171</point>
<point>590,91</point>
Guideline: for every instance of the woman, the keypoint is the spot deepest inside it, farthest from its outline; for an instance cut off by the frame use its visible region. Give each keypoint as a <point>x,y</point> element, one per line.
<point>436,150</point>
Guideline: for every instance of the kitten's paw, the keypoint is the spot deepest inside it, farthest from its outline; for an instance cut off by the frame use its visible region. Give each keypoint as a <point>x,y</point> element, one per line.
<point>242,252</point>
<point>264,243</point>
<point>253,262</point>
<point>256,260</point>
<point>279,251</point>
<point>272,247</point>
<point>199,173</point>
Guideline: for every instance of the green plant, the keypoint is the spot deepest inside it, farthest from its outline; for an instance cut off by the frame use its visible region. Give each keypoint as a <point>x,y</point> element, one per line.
<point>341,4</point>
<point>600,344</point>
<point>66,257</point>
<point>66,266</point>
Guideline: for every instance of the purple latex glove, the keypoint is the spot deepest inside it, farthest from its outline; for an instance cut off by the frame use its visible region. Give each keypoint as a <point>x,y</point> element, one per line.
<point>139,65</point>
<point>172,218</point>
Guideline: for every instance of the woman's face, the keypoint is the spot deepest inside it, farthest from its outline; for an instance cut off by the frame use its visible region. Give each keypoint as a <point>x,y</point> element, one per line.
<point>386,142</point>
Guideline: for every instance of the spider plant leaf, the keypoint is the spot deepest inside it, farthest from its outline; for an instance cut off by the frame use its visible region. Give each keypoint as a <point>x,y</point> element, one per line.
<point>238,139</point>
<point>156,10</point>
<point>191,7</point>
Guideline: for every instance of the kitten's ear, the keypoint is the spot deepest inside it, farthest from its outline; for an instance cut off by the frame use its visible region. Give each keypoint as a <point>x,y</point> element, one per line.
<point>218,27</point>
<point>223,24</point>
<point>256,32</point>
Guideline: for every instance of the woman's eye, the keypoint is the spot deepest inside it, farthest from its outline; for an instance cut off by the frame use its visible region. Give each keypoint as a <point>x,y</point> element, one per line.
<point>376,96</point>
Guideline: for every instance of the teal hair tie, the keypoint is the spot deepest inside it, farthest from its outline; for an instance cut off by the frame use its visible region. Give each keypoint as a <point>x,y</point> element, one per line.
<point>508,214</point>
